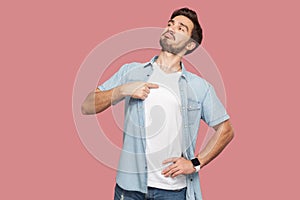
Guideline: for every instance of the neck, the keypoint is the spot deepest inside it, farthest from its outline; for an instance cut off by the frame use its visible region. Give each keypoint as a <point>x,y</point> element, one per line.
<point>169,62</point>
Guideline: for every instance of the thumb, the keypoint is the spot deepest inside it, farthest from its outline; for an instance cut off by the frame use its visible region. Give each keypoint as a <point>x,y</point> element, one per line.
<point>152,85</point>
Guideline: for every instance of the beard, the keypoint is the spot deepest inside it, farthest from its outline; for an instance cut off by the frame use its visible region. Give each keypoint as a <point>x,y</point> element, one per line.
<point>166,46</point>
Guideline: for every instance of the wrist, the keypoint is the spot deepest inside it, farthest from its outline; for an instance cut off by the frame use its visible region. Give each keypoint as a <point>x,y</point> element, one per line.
<point>202,160</point>
<point>119,92</point>
<point>117,95</point>
<point>197,168</point>
<point>196,164</point>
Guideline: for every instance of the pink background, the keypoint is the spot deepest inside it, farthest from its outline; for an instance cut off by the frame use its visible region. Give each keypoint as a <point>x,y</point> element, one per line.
<point>254,43</point>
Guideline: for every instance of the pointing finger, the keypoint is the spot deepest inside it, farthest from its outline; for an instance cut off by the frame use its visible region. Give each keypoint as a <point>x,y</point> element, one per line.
<point>152,85</point>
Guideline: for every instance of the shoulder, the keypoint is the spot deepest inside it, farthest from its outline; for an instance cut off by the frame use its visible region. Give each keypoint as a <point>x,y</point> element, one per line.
<point>198,87</point>
<point>130,68</point>
<point>197,81</point>
<point>133,66</point>
<point>137,66</point>
<point>134,71</point>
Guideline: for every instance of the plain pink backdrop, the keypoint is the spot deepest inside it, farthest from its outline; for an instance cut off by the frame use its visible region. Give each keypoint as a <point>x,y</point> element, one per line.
<point>254,43</point>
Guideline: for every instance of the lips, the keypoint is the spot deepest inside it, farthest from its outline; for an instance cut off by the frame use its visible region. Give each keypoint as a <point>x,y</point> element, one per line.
<point>169,35</point>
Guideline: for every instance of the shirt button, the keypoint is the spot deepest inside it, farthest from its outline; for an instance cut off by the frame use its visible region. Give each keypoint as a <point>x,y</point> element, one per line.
<point>191,179</point>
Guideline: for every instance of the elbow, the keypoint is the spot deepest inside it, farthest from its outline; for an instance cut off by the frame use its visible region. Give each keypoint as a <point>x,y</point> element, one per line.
<point>227,132</point>
<point>88,106</point>
<point>230,134</point>
<point>88,109</point>
<point>84,110</point>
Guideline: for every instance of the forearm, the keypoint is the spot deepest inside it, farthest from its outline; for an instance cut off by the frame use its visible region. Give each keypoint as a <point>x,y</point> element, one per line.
<point>216,144</point>
<point>98,101</point>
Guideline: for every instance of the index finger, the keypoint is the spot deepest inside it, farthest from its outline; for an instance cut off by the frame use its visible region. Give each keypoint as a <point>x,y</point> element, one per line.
<point>152,85</point>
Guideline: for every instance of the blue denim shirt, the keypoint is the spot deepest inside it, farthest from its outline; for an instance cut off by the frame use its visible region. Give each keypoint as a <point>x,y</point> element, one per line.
<point>198,101</point>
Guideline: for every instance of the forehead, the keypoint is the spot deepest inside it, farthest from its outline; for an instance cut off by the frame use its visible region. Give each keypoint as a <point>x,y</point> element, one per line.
<point>186,21</point>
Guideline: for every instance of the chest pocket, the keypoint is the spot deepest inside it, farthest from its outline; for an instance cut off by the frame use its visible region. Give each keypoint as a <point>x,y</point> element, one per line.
<point>193,111</point>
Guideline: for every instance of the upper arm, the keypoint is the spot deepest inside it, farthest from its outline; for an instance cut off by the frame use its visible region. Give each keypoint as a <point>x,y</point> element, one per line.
<point>224,127</point>
<point>224,124</point>
<point>213,111</point>
<point>116,80</point>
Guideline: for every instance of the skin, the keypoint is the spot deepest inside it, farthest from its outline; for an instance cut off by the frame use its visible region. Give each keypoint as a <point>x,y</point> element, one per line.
<point>224,134</point>
<point>176,35</point>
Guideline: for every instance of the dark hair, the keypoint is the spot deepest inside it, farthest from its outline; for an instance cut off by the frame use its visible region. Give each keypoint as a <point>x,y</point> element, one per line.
<point>197,30</point>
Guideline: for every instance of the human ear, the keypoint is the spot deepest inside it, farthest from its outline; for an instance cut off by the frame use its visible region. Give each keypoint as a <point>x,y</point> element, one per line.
<point>191,45</point>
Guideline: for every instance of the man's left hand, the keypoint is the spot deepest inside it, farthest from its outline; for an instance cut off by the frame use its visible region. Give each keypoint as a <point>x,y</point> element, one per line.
<point>180,166</point>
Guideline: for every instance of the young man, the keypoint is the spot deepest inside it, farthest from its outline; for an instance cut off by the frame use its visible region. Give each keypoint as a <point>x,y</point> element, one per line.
<point>163,107</point>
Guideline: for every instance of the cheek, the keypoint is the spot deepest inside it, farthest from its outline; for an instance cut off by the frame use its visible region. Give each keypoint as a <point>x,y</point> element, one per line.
<point>182,38</point>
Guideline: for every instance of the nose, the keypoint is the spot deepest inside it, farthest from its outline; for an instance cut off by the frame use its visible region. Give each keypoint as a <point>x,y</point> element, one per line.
<point>171,28</point>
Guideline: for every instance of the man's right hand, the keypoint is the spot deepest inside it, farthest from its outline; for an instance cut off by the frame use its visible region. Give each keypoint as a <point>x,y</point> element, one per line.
<point>137,90</point>
<point>97,101</point>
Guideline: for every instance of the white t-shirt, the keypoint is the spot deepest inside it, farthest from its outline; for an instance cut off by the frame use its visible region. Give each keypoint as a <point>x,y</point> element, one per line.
<point>163,128</point>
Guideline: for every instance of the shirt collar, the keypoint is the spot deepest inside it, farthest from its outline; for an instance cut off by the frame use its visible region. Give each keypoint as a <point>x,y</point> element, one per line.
<point>150,63</point>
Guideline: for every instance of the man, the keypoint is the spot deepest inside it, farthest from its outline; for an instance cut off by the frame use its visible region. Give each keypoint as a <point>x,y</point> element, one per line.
<point>163,107</point>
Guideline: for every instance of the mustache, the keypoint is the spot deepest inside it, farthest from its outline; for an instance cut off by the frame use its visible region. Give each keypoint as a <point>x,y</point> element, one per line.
<point>171,33</point>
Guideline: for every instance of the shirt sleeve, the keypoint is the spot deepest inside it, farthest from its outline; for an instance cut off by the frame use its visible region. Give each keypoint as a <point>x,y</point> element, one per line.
<point>213,111</point>
<point>116,80</point>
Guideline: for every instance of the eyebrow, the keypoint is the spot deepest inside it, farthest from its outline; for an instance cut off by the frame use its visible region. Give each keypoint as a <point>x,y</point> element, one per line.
<point>181,24</point>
